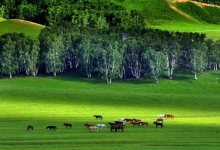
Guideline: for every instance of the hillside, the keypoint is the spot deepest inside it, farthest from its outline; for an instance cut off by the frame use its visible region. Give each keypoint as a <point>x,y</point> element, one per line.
<point>21,26</point>
<point>179,15</point>
<point>171,15</point>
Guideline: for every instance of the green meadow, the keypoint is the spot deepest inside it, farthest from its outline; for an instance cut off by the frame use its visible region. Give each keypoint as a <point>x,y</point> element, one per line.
<point>46,100</point>
<point>20,26</point>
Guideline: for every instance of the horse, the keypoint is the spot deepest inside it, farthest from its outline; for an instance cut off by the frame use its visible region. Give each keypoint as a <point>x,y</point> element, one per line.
<point>128,120</point>
<point>68,125</point>
<point>136,120</point>
<point>159,120</point>
<point>144,123</point>
<point>117,127</point>
<point>120,123</point>
<point>158,124</point>
<point>93,128</point>
<point>135,123</point>
<point>51,128</point>
<point>88,125</point>
<point>98,117</point>
<point>110,123</point>
<point>29,127</point>
<point>101,126</point>
<point>169,116</point>
<point>161,116</point>
<point>122,119</point>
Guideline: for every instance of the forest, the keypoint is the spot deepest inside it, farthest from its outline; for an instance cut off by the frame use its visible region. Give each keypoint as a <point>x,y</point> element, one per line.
<point>100,38</point>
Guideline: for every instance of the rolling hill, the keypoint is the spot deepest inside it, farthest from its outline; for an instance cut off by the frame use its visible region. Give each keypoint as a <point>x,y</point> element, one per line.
<point>171,15</point>
<point>21,26</point>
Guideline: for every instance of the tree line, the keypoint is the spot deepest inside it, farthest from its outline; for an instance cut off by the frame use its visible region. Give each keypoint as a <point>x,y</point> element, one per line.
<point>110,53</point>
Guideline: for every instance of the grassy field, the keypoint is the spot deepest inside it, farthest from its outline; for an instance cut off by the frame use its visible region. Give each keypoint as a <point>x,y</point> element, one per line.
<point>47,100</point>
<point>21,26</point>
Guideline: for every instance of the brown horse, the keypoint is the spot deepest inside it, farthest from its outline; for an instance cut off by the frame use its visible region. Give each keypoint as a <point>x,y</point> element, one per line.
<point>136,120</point>
<point>88,125</point>
<point>68,125</point>
<point>144,123</point>
<point>159,120</point>
<point>128,120</point>
<point>29,127</point>
<point>169,116</point>
<point>135,123</point>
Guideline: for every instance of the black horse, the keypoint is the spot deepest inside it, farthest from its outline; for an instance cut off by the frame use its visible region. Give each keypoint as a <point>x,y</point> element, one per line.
<point>117,127</point>
<point>51,128</point>
<point>68,125</point>
<point>158,124</point>
<point>98,117</point>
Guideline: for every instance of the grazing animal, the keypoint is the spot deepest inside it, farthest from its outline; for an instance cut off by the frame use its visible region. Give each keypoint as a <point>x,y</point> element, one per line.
<point>88,125</point>
<point>135,123</point>
<point>158,124</point>
<point>29,127</point>
<point>110,123</point>
<point>68,125</point>
<point>51,128</point>
<point>159,120</point>
<point>122,119</point>
<point>144,123</point>
<point>117,127</point>
<point>102,126</point>
<point>136,120</point>
<point>98,117</point>
<point>169,116</point>
<point>161,116</point>
<point>93,128</point>
<point>120,123</point>
<point>128,120</point>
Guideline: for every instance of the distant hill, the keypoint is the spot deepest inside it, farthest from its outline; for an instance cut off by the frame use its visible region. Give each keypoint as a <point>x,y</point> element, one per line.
<point>20,26</point>
<point>171,15</point>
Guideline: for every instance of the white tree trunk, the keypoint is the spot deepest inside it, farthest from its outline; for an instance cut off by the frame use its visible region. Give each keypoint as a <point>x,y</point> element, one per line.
<point>195,77</point>
<point>10,76</point>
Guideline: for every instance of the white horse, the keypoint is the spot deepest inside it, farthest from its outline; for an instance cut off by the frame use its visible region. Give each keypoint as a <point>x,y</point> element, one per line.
<point>93,128</point>
<point>102,126</point>
<point>161,116</point>
<point>122,119</point>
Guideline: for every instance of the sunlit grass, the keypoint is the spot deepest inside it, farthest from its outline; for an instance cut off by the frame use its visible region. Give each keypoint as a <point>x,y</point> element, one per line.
<point>47,100</point>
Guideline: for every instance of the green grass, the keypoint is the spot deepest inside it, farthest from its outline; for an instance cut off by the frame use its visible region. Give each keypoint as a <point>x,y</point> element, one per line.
<point>20,26</point>
<point>45,100</point>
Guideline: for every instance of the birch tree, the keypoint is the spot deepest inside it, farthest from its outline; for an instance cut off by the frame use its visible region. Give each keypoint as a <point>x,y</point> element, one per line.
<point>53,58</point>
<point>198,60</point>
<point>8,59</point>
<point>110,62</point>
<point>154,64</point>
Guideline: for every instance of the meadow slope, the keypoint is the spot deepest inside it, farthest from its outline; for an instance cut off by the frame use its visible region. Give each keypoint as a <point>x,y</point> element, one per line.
<point>47,100</point>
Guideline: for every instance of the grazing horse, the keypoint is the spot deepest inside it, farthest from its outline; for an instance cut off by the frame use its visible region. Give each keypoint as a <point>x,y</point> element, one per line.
<point>102,126</point>
<point>128,120</point>
<point>68,125</point>
<point>98,117</point>
<point>110,123</point>
<point>136,120</point>
<point>144,123</point>
<point>93,128</point>
<point>29,127</point>
<point>161,116</point>
<point>88,125</point>
<point>135,123</point>
<point>158,124</point>
<point>169,116</point>
<point>117,127</point>
<point>51,128</point>
<point>159,120</point>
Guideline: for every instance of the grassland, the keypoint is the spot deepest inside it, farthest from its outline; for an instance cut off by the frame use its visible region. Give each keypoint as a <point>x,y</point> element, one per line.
<point>45,100</point>
<point>20,26</point>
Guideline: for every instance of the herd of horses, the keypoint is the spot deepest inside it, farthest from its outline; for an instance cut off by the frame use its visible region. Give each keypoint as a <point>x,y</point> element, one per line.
<point>116,125</point>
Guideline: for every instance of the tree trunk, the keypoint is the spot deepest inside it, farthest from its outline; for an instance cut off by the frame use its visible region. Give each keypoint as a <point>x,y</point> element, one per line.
<point>195,76</point>
<point>10,76</point>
